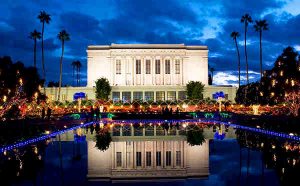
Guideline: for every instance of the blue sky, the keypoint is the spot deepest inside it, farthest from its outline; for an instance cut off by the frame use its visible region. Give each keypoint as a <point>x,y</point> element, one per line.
<point>192,22</point>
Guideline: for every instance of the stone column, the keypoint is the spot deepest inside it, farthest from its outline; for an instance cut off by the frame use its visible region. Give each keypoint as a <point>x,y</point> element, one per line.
<point>133,71</point>
<point>134,155</point>
<point>142,70</point>
<point>112,60</point>
<point>163,154</point>
<point>163,70</point>
<point>166,95</point>
<point>153,70</point>
<point>181,71</point>
<point>172,72</point>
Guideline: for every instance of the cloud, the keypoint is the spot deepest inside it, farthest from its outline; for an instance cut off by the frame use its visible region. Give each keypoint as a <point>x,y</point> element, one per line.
<point>133,21</point>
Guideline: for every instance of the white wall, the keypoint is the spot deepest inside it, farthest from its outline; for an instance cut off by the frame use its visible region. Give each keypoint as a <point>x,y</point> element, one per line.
<point>102,63</point>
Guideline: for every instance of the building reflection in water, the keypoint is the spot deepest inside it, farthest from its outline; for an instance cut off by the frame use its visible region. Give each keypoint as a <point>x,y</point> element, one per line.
<point>146,152</point>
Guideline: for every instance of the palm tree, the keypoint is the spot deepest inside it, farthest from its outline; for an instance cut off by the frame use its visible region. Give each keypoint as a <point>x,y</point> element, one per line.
<point>234,35</point>
<point>44,18</point>
<point>259,27</point>
<point>78,65</point>
<point>35,35</point>
<point>212,74</point>
<point>246,19</point>
<point>74,66</point>
<point>62,36</point>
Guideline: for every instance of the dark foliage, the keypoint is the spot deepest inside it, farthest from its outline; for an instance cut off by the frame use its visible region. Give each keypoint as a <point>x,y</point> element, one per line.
<point>10,75</point>
<point>275,83</point>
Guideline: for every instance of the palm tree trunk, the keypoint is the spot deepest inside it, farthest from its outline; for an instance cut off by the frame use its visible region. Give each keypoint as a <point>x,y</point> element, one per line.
<point>43,61</point>
<point>34,54</point>
<point>246,56</point>
<point>239,61</point>
<point>73,75</point>
<point>79,75</point>
<point>260,47</point>
<point>60,69</point>
<point>77,69</point>
<point>240,172</point>
<point>212,77</point>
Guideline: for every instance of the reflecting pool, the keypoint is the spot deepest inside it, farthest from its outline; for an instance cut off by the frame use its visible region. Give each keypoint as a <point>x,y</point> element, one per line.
<point>163,153</point>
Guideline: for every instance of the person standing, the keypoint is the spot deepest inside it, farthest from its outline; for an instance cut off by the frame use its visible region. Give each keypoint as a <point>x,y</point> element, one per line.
<point>92,113</point>
<point>49,113</point>
<point>97,112</point>
<point>43,113</point>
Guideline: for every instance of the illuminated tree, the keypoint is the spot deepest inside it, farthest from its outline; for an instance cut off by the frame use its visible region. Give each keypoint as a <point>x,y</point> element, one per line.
<point>293,101</point>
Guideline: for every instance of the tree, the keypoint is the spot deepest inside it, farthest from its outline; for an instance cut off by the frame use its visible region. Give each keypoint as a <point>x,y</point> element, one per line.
<point>234,36</point>
<point>78,67</point>
<point>212,74</point>
<point>44,18</point>
<point>53,84</point>
<point>246,19</point>
<point>209,79</point>
<point>195,90</point>
<point>275,84</point>
<point>62,36</point>
<point>12,73</point>
<point>260,26</point>
<point>103,139</point>
<point>195,136</point>
<point>35,35</point>
<point>103,88</point>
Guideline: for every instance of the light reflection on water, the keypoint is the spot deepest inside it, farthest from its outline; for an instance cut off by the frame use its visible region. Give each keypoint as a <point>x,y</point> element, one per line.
<point>156,153</point>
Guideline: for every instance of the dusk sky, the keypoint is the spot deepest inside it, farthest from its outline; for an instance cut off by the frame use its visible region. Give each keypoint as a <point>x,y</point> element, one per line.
<point>195,22</point>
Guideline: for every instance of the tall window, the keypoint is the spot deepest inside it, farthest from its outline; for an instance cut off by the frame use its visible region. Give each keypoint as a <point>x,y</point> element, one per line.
<point>148,159</point>
<point>178,158</point>
<point>138,159</point>
<point>167,66</point>
<point>160,95</point>
<point>171,95</point>
<point>158,158</point>
<point>148,66</point>
<point>126,96</point>
<point>149,96</point>
<point>157,66</point>
<point>119,159</point>
<point>118,66</point>
<point>138,66</point>
<point>177,66</point>
<point>137,95</point>
<point>168,158</point>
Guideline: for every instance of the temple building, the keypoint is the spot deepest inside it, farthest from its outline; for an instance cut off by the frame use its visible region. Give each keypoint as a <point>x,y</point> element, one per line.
<point>156,72</point>
<point>139,158</point>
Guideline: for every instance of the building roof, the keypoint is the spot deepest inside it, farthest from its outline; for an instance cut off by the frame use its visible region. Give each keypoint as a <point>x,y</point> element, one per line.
<point>147,46</point>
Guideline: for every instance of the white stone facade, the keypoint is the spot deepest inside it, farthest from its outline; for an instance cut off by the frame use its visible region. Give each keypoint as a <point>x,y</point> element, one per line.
<point>156,72</point>
<point>148,159</point>
<point>147,65</point>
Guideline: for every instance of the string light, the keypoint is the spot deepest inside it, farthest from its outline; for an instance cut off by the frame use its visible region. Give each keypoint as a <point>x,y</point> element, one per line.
<point>158,122</point>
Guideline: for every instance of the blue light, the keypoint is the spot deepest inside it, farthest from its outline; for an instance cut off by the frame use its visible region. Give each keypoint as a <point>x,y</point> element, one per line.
<point>153,121</point>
